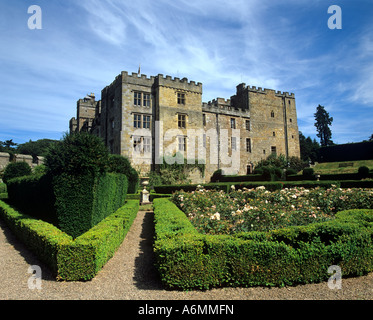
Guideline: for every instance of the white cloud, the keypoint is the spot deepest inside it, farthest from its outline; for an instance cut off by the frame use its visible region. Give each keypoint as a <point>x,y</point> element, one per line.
<point>182,36</point>
<point>363,83</point>
<point>277,45</point>
<point>106,20</point>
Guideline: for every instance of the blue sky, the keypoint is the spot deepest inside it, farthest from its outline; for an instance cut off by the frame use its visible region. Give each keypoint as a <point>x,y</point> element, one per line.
<point>284,45</point>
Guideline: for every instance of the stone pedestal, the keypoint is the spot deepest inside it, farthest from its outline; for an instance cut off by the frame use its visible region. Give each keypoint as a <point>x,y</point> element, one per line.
<point>145,197</point>
<point>145,194</point>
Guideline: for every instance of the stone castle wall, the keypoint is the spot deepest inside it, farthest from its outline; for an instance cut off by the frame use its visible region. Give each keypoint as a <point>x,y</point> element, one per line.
<point>6,158</point>
<point>261,122</point>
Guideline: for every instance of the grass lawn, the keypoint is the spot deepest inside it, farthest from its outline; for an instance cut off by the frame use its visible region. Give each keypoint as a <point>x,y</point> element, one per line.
<point>334,167</point>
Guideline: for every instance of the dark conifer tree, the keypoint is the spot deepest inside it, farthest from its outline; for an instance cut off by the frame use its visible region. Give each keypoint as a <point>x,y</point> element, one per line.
<point>323,121</point>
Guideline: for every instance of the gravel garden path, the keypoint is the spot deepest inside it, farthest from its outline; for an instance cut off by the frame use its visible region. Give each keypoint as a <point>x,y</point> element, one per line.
<point>130,275</point>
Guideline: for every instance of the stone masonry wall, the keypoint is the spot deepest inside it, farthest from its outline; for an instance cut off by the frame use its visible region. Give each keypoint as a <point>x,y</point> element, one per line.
<point>132,84</point>
<point>6,158</point>
<point>261,122</point>
<point>267,123</point>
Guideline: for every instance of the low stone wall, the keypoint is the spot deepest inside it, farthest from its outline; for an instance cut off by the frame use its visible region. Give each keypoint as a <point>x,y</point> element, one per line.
<point>6,158</point>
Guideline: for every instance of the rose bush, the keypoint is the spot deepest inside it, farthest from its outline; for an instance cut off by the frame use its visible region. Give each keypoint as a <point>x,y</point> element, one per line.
<point>216,212</point>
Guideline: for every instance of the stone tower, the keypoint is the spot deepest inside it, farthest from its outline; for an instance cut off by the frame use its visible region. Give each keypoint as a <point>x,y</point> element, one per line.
<point>145,118</point>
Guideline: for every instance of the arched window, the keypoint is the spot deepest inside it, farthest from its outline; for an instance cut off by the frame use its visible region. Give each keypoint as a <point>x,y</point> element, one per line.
<point>272,114</point>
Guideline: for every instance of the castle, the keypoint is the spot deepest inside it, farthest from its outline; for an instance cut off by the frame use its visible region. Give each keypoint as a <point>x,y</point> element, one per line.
<point>145,118</point>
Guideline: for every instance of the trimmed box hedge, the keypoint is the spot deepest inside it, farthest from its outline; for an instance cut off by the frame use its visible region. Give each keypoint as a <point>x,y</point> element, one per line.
<point>83,201</point>
<point>225,186</point>
<point>310,184</point>
<point>169,189</point>
<point>357,184</point>
<point>187,259</point>
<point>153,196</point>
<point>269,185</point>
<point>82,259</point>
<point>329,177</point>
<point>3,188</point>
<point>72,203</point>
<point>3,196</point>
<point>244,178</point>
<point>69,259</point>
<point>33,195</point>
<point>42,238</point>
<point>133,196</point>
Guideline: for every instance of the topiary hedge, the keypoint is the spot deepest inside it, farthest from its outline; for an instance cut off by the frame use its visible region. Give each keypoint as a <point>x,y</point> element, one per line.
<point>245,178</point>
<point>186,259</point>
<point>40,237</point>
<point>3,188</point>
<point>226,186</point>
<point>120,164</point>
<point>169,189</point>
<point>15,170</point>
<point>76,154</point>
<point>82,259</point>
<point>363,172</point>
<point>83,201</point>
<point>308,174</point>
<point>76,192</point>
<point>69,259</point>
<point>34,196</point>
<point>153,196</point>
<point>3,191</point>
<point>357,184</point>
<point>72,203</point>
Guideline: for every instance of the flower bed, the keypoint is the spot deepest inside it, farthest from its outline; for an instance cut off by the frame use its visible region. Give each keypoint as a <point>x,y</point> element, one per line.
<point>217,212</point>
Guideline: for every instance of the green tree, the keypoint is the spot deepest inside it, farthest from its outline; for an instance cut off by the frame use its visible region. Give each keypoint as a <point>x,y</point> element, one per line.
<point>8,146</point>
<point>77,153</point>
<point>273,160</point>
<point>15,170</point>
<point>296,164</point>
<point>308,148</point>
<point>120,164</point>
<point>36,148</point>
<point>323,121</point>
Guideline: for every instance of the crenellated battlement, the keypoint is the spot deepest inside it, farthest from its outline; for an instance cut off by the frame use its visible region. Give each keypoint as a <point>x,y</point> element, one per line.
<point>220,102</point>
<point>176,79</point>
<point>241,87</point>
<point>223,106</point>
<point>177,83</point>
<point>137,79</point>
<point>161,80</point>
